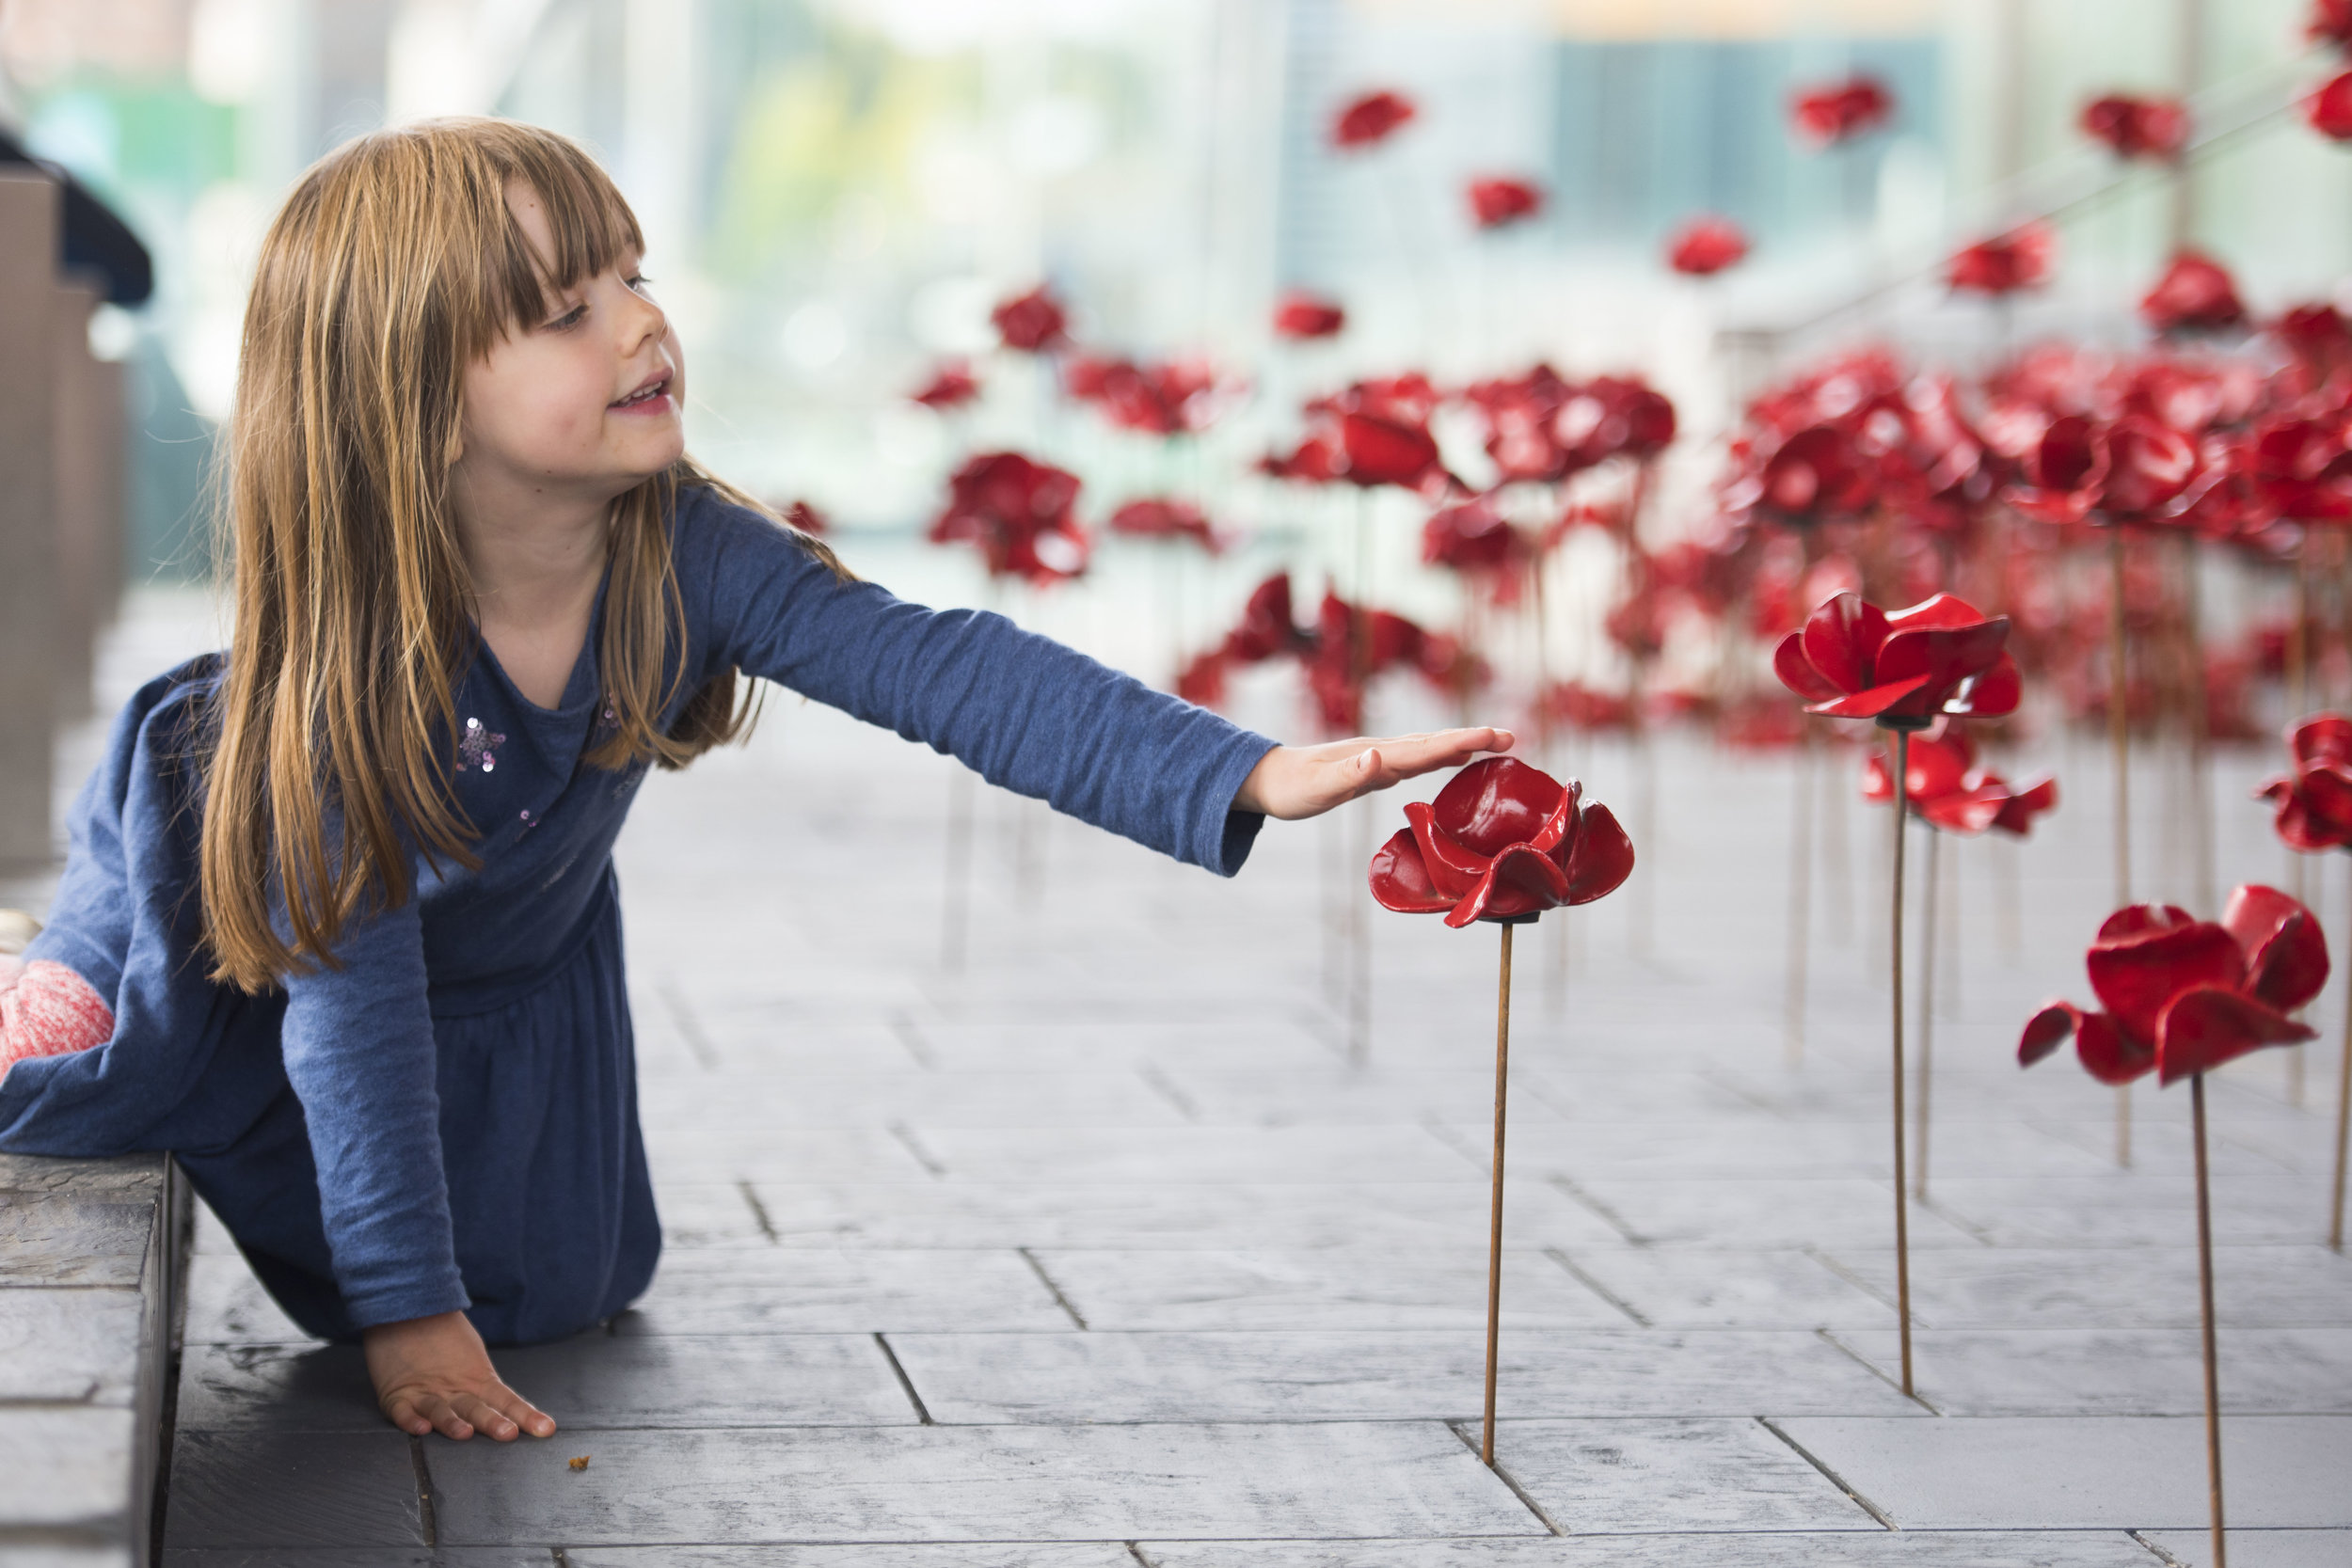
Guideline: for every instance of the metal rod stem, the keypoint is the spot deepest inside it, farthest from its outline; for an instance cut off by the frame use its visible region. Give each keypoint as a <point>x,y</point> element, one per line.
<point>1902,1218</point>
<point>1494,1239</point>
<point>2119,757</point>
<point>1926,1011</point>
<point>2344,1125</point>
<point>2204,1286</point>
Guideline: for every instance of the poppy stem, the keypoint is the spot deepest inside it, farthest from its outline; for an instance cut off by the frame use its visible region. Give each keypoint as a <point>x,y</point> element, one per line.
<point>2204,1286</point>
<point>1494,1237</point>
<point>1800,902</point>
<point>1927,1008</point>
<point>2120,749</point>
<point>2344,1125</point>
<point>1902,1217</point>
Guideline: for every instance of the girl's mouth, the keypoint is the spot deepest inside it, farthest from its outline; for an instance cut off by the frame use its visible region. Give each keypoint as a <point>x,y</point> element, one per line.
<point>653,393</point>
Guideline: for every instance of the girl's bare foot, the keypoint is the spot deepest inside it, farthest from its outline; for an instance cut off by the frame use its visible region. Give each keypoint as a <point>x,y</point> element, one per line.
<point>432,1374</point>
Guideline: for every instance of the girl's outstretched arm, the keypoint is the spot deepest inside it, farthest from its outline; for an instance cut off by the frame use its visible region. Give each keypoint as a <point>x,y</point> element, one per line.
<point>432,1374</point>
<point>1292,782</point>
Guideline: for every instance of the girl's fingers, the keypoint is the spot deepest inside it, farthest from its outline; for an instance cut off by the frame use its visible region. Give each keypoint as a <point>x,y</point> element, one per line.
<point>487,1417</point>
<point>444,1417</point>
<point>404,1413</point>
<point>524,1414</point>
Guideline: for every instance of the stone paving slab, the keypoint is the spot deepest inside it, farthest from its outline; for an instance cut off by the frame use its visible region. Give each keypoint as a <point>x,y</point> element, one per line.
<point>961,1554</point>
<point>72,1238</point>
<point>1009,1483</point>
<point>364,1557</point>
<point>64,1469</point>
<point>1784,1288</point>
<point>1618,1476</point>
<point>318,1490</point>
<point>2045,1371</point>
<point>1081,1155</point>
<point>2258,1549</point>
<point>2087,1472</point>
<point>228,1306</point>
<point>1326,1288</point>
<point>1193,1217</point>
<point>1784,1550</point>
<point>596,1380</point>
<point>1758,1211</point>
<point>1758,1147</point>
<point>721,1155</point>
<point>812,1291</point>
<point>763,1101</point>
<point>2265,1287</point>
<point>2146,1209</point>
<point>1405,1375</point>
<point>70,1346</point>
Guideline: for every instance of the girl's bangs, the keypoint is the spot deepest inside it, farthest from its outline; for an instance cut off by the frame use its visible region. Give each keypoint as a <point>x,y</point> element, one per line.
<point>588,221</point>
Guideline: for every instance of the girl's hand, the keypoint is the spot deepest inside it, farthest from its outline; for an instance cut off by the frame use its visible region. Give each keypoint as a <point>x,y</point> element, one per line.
<point>432,1374</point>
<point>1292,782</point>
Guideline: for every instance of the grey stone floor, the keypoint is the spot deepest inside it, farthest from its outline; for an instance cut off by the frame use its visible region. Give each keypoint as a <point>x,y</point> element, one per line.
<point>1103,1252</point>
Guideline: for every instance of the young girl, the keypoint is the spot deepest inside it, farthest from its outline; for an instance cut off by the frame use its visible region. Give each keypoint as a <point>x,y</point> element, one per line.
<point>339,925</point>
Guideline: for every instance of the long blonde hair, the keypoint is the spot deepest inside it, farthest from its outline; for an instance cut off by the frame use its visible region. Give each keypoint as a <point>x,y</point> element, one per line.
<point>395,264</point>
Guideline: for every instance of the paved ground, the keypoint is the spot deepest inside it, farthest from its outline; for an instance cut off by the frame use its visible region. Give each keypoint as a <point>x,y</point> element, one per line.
<point>1103,1252</point>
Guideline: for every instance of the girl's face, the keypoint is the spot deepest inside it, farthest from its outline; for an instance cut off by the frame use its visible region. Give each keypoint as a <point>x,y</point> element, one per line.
<point>585,400</point>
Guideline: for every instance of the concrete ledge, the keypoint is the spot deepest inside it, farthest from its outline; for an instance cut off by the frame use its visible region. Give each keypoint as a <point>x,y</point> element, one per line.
<point>93,1263</point>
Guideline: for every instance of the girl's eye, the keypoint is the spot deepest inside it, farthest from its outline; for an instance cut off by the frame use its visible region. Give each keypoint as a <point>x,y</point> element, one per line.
<point>569,318</point>
<point>639,282</point>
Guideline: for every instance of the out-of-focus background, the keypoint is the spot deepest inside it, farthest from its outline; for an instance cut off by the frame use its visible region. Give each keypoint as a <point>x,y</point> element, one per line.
<point>838,191</point>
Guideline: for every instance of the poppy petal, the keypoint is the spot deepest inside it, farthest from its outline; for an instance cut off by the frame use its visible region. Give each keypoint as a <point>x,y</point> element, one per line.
<point>1869,704</point>
<point>2137,918</point>
<point>2204,1027</point>
<point>1842,639</point>
<point>1451,870</point>
<point>2325,739</point>
<point>1947,612</point>
<point>1946,655</point>
<point>1797,673</point>
<point>2286,956</point>
<point>1603,858</point>
<point>2047,1029</point>
<point>1996,692</point>
<point>1400,883</point>
<point>2108,1053</point>
<point>2136,976</point>
<point>1525,880</point>
<point>1496,803</point>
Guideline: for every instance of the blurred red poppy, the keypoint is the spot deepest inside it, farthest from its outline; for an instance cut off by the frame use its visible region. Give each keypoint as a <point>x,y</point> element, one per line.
<point>1022,515</point>
<point>1853,660</point>
<point>1371,120</point>
<point>2330,109</point>
<point>1706,245</point>
<point>1584,708</point>
<point>2317,336</point>
<point>2022,259</point>
<point>2137,127</point>
<point>1947,789</point>
<point>2195,295</point>
<point>1498,202</point>
<point>1813,475</point>
<point>801,515</point>
<point>2330,22</point>
<point>2301,468</point>
<point>1824,116</point>
<point>1503,841</point>
<point>2135,469</point>
<point>1032,322</point>
<point>2316,800</point>
<point>1161,517</point>
<point>1472,537</point>
<point>952,385</point>
<point>1301,315</point>
<point>1612,416</point>
<point>1176,398</point>
<point>2185,995</point>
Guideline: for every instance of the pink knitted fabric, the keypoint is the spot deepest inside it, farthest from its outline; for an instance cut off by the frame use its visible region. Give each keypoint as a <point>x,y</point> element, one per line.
<point>47,1009</point>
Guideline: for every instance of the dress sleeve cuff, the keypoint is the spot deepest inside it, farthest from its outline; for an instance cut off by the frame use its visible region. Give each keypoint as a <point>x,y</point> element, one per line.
<point>1223,837</point>
<point>399,1302</point>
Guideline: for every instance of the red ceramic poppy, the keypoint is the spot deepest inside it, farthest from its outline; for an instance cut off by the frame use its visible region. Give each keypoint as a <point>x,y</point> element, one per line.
<point>2330,22</point>
<point>1809,476</point>
<point>1172,399</point>
<point>2317,336</point>
<point>1706,245</point>
<point>1853,660</point>
<point>1022,515</point>
<point>1947,789</point>
<point>2316,800</point>
<point>2301,468</point>
<point>1824,116</point>
<point>1033,323</point>
<point>1371,120</point>
<point>2021,258</point>
<point>1301,315</point>
<point>1612,416</point>
<point>1161,517</point>
<point>2185,995</point>
<point>952,385</point>
<point>2330,109</point>
<point>2195,295</point>
<point>1503,842</point>
<point>801,515</point>
<point>1498,202</point>
<point>2133,470</point>
<point>1386,452</point>
<point>1582,707</point>
<point>1472,537</point>
<point>2137,127</point>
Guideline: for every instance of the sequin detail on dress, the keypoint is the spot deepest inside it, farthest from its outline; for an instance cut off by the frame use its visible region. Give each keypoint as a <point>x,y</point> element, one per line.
<point>476,747</point>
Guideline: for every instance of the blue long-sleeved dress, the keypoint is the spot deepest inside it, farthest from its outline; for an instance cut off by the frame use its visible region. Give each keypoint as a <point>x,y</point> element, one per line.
<point>450,1119</point>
